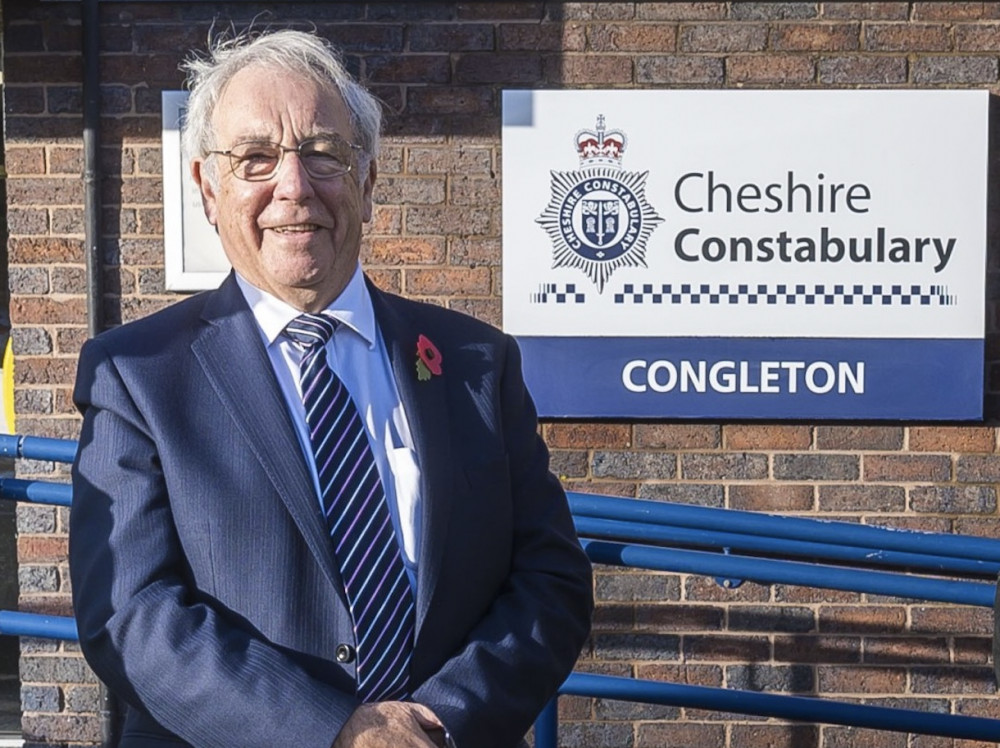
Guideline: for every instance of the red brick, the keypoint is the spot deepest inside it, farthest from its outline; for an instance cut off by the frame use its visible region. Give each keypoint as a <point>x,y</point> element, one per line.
<point>678,617</point>
<point>589,70</point>
<point>680,69</point>
<point>588,435</point>
<point>450,160</point>
<point>32,250</point>
<point>502,11</point>
<point>952,439</point>
<point>473,191</point>
<point>951,619</point>
<point>978,468</point>
<point>405,251</point>
<point>846,619</point>
<point>859,437</point>
<point>473,251</point>
<point>31,310</point>
<point>30,370</point>
<point>66,161</point>
<point>822,648</point>
<point>690,674</point>
<point>659,734</point>
<point>543,37</point>
<point>493,67</point>
<point>35,548</point>
<point>976,37</point>
<point>777,69</point>
<point>387,280</point>
<point>953,11</point>
<point>601,487</point>
<point>774,736</point>
<point>905,649</point>
<point>27,221</point>
<point>906,37</point>
<point>740,436</point>
<point>447,219</point>
<point>857,737</point>
<point>816,37</point>
<point>730,648</point>
<point>864,499</point>
<point>854,69</point>
<point>45,191</point>
<point>388,220</point>
<point>861,679</point>
<point>771,498</point>
<point>867,11</point>
<point>632,37</point>
<point>909,468</point>
<point>410,190</point>
<point>22,161</point>
<point>57,427</point>
<point>448,281</point>
<point>723,37</point>
<point>677,436</point>
<point>705,589</point>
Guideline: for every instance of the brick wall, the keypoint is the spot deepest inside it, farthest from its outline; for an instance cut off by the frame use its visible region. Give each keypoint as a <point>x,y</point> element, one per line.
<point>440,67</point>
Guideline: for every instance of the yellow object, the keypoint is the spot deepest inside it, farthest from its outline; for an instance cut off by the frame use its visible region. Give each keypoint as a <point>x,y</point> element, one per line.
<point>8,387</point>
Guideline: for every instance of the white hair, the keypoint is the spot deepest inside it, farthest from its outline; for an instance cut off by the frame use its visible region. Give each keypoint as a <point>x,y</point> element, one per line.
<point>296,52</point>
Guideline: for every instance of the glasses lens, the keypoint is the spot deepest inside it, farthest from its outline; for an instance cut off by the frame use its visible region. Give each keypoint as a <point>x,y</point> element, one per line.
<point>326,157</point>
<point>253,161</point>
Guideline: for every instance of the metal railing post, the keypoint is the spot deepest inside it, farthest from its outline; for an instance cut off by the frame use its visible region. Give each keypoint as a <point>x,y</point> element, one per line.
<point>547,726</point>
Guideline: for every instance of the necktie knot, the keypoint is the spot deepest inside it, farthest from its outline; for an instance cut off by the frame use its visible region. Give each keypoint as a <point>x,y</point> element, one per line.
<point>311,330</point>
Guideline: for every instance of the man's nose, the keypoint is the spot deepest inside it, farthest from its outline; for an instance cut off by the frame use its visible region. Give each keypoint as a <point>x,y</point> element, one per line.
<point>292,180</point>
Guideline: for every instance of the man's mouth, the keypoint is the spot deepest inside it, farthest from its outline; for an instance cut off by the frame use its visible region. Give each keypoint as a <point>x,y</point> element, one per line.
<point>298,228</point>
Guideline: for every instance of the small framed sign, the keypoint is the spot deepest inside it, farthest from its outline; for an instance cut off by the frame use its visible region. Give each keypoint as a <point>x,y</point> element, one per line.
<point>193,259</point>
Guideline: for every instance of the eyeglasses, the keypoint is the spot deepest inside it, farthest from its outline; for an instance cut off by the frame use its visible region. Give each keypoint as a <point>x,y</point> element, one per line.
<point>323,158</point>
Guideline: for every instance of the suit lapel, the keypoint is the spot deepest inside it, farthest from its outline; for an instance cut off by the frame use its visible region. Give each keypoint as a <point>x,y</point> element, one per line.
<point>426,406</point>
<point>250,394</point>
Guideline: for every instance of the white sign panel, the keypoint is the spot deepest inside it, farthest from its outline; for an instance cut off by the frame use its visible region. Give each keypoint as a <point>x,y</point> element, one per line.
<point>194,259</point>
<point>759,254</point>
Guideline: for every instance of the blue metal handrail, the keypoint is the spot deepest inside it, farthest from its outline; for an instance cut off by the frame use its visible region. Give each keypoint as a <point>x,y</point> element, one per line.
<point>37,448</point>
<point>780,526</point>
<point>771,571</point>
<point>15,623</point>
<point>798,708</point>
<point>611,529</point>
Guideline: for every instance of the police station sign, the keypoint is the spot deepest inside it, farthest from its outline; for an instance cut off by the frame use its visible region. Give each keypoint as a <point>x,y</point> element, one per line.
<point>747,254</point>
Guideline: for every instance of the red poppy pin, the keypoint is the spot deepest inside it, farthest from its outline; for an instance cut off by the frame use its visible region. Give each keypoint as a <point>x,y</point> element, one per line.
<point>428,359</point>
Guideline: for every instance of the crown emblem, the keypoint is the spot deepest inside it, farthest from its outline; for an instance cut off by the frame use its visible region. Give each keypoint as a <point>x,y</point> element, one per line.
<point>601,147</point>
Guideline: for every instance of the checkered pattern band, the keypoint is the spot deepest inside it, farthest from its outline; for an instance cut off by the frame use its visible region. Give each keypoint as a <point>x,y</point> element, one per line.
<point>785,294</point>
<point>554,293</point>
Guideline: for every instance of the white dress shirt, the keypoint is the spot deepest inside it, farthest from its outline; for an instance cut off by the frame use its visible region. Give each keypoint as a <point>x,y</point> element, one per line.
<point>357,354</point>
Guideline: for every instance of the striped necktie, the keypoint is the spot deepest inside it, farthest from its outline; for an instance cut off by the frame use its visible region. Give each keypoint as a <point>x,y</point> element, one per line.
<point>364,541</point>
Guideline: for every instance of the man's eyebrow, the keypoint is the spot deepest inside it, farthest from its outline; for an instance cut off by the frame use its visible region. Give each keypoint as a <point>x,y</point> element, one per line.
<point>253,137</point>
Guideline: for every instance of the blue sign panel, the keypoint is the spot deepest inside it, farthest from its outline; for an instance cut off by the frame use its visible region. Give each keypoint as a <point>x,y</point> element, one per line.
<point>860,379</point>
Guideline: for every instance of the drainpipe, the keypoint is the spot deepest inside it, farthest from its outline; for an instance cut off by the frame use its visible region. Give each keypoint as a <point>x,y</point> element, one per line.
<point>91,32</point>
<point>91,165</point>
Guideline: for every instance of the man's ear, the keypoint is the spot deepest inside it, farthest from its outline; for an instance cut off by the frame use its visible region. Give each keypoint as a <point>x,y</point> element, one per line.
<point>367,188</point>
<point>208,197</point>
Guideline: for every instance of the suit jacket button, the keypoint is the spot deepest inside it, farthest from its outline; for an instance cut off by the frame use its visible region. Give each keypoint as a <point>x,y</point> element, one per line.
<point>345,653</point>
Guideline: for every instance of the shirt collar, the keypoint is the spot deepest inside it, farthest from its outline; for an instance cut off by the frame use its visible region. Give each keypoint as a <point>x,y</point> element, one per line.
<point>353,308</point>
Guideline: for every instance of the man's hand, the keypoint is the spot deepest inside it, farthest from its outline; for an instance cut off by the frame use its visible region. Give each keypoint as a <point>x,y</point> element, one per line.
<point>391,724</point>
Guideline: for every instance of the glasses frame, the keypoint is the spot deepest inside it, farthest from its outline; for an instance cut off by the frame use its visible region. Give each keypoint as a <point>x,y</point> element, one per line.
<point>282,150</point>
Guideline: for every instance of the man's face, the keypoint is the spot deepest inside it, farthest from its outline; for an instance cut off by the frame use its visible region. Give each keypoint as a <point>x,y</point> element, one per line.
<point>292,235</point>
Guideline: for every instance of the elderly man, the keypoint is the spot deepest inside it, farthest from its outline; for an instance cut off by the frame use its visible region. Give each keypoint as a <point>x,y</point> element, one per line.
<point>307,512</point>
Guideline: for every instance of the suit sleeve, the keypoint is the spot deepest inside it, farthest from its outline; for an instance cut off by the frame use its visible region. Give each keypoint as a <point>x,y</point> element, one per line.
<point>200,671</point>
<point>515,658</point>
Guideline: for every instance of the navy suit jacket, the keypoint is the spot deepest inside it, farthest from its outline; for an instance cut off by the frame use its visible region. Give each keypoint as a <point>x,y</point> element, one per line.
<point>205,589</point>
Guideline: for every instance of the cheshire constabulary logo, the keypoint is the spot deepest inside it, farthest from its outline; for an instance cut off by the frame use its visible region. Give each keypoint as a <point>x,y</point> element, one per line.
<point>598,218</point>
